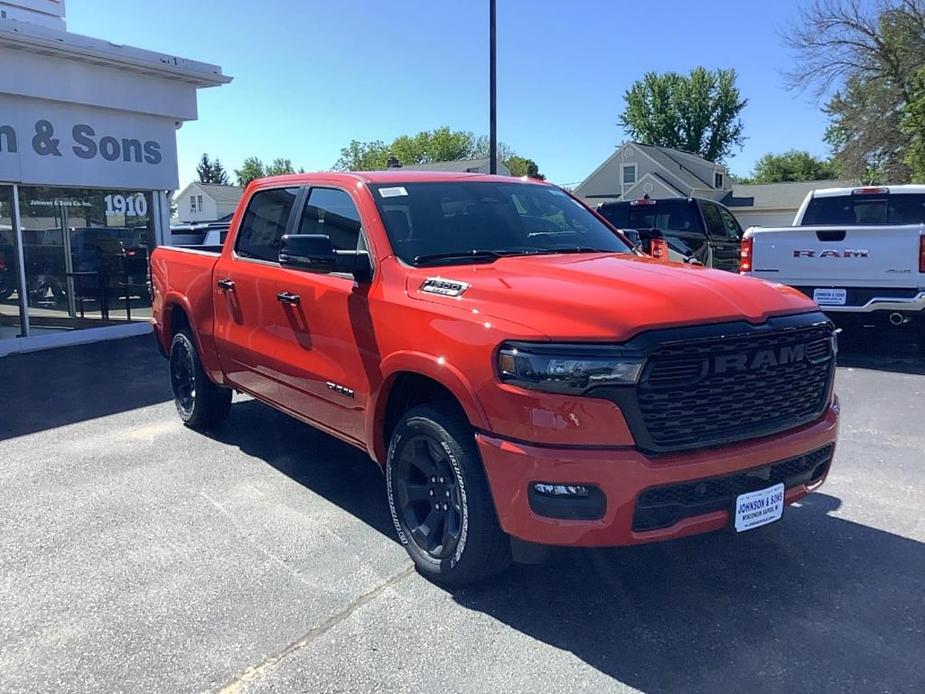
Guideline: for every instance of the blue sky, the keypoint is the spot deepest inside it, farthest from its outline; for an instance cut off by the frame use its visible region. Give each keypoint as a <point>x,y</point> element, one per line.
<point>311,75</point>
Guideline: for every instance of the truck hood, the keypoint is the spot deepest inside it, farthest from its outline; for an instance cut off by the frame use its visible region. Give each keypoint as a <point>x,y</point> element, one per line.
<point>605,297</point>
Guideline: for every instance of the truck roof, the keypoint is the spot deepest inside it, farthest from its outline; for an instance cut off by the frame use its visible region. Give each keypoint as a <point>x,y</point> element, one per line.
<point>399,175</point>
<point>892,190</point>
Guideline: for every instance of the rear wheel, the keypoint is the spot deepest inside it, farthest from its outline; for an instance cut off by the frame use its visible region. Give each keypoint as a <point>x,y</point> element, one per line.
<point>439,498</point>
<point>200,403</point>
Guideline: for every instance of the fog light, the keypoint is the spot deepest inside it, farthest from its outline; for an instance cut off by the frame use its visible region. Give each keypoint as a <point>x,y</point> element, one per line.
<point>567,490</point>
<point>566,501</point>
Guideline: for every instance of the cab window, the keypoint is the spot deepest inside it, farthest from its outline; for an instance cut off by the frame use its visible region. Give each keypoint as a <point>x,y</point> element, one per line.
<point>265,223</point>
<point>730,224</point>
<point>714,221</point>
<point>331,212</point>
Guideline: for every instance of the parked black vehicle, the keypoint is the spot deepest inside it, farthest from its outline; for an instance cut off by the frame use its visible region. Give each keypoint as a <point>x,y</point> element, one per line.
<point>104,260</point>
<point>695,230</point>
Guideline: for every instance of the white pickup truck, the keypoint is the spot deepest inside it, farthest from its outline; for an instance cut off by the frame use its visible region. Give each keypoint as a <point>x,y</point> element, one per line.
<point>858,252</point>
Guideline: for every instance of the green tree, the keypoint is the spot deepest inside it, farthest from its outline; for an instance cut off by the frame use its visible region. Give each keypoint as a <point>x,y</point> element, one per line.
<point>865,56</point>
<point>441,144</point>
<point>363,156</point>
<point>428,146</point>
<point>279,167</point>
<point>913,126</point>
<point>520,166</point>
<point>794,165</point>
<point>696,113</point>
<point>251,168</point>
<point>211,171</point>
<point>219,175</point>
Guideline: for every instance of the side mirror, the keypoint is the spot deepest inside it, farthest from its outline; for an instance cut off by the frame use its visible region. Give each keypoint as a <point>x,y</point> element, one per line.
<point>315,253</point>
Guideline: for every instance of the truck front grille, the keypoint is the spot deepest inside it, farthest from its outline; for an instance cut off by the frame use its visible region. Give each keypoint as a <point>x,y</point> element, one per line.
<point>713,385</point>
<point>706,391</point>
<point>662,507</point>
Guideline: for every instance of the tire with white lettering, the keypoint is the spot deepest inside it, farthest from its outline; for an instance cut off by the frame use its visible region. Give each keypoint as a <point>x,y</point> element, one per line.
<point>439,498</point>
<point>200,402</point>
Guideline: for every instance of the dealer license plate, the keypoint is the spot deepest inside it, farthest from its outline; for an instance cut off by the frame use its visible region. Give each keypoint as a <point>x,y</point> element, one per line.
<point>830,297</point>
<point>759,508</point>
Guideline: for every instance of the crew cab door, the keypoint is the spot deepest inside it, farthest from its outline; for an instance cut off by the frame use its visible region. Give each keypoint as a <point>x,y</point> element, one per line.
<point>244,282</point>
<point>725,236</point>
<point>327,351</point>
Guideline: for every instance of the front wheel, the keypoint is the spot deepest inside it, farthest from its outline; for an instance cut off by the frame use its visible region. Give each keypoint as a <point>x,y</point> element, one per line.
<point>439,498</point>
<point>200,403</point>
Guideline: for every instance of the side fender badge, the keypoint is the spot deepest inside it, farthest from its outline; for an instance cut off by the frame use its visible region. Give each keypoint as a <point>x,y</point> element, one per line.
<point>443,287</point>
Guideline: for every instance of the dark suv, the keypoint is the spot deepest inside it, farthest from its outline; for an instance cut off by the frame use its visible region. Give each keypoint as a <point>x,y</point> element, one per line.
<point>696,230</point>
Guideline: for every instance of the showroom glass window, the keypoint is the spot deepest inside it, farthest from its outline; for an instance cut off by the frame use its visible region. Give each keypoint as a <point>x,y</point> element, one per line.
<point>10,325</point>
<point>86,256</point>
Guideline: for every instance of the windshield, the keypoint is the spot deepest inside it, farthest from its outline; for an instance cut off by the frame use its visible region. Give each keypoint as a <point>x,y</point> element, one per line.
<point>861,210</point>
<point>448,221</point>
<point>667,215</point>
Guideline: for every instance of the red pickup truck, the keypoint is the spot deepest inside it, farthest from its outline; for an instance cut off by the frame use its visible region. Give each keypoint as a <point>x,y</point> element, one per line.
<point>514,366</point>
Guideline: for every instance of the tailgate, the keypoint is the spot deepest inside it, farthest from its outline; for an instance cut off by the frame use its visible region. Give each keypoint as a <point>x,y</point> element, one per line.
<point>860,256</point>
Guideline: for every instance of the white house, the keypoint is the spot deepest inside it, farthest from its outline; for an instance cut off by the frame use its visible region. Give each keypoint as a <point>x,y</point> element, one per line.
<point>207,202</point>
<point>635,170</point>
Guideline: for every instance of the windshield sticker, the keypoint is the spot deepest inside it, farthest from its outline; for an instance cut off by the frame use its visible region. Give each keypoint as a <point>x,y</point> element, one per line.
<point>395,192</point>
<point>556,191</point>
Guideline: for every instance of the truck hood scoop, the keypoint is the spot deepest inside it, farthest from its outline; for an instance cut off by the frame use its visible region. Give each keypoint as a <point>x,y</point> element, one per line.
<point>602,297</point>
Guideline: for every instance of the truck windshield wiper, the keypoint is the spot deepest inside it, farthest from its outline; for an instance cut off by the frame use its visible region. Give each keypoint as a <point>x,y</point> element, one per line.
<point>571,249</point>
<point>473,256</point>
<point>486,256</point>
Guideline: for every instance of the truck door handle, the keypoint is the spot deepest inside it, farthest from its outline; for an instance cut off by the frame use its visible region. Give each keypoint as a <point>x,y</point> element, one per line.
<point>288,298</point>
<point>225,285</point>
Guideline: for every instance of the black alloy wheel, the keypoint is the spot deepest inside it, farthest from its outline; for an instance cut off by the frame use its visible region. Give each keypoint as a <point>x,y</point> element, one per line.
<point>439,497</point>
<point>183,377</point>
<point>200,402</point>
<point>429,498</point>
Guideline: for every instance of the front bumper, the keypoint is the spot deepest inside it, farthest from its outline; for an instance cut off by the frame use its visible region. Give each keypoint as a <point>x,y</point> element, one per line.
<point>623,475</point>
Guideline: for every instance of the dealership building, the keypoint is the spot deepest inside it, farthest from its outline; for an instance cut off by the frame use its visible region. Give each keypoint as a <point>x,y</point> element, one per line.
<point>88,160</point>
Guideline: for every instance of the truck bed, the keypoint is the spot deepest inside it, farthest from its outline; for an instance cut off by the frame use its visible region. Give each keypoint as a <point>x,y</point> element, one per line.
<point>185,274</point>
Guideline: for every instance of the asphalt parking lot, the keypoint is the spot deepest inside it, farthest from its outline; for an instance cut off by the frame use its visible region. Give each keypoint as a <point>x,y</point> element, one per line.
<point>137,555</point>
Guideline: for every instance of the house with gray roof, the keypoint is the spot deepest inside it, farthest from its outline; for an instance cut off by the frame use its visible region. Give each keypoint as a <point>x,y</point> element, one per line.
<point>635,170</point>
<point>772,204</point>
<point>207,202</point>
<point>482,165</point>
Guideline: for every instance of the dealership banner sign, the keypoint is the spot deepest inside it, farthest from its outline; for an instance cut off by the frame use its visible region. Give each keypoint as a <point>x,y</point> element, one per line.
<point>57,144</point>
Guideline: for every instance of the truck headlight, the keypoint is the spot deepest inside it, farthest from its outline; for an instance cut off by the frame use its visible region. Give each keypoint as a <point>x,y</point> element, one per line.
<point>565,368</point>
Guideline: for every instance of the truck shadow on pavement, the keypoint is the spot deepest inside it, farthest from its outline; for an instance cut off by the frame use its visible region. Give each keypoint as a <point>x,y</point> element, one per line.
<point>814,602</point>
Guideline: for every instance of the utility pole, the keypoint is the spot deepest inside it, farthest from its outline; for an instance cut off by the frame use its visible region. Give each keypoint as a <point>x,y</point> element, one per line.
<point>493,89</point>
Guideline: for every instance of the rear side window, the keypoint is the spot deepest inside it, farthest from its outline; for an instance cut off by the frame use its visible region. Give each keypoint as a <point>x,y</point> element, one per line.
<point>265,223</point>
<point>730,224</point>
<point>714,221</point>
<point>721,223</point>
<point>860,210</point>
<point>331,212</point>
<point>666,215</point>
